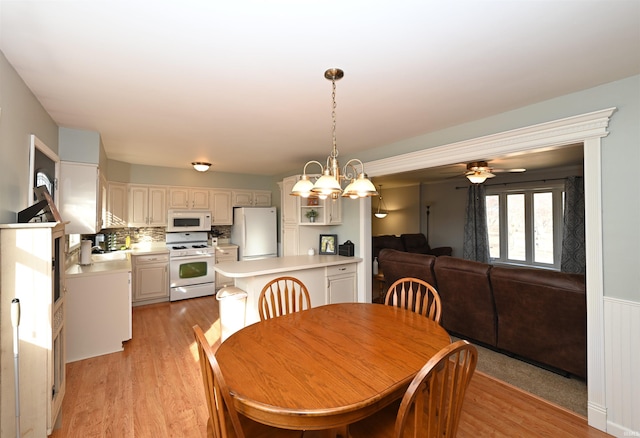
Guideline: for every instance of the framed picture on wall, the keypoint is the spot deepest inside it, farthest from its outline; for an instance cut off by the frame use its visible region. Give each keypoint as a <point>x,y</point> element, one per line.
<point>328,244</point>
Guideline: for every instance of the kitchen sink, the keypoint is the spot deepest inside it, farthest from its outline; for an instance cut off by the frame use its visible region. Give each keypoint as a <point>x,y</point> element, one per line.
<point>110,256</point>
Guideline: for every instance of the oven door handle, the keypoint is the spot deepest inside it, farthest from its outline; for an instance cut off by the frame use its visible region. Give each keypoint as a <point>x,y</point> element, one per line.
<point>191,257</point>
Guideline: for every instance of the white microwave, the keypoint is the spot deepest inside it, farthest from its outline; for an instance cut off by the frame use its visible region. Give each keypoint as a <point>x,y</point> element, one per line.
<point>189,220</point>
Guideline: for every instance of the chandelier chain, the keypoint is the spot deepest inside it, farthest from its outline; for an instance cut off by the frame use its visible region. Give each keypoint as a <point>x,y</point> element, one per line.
<point>334,152</point>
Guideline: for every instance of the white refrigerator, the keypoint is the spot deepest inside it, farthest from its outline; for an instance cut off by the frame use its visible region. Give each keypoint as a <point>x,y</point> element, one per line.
<point>255,232</point>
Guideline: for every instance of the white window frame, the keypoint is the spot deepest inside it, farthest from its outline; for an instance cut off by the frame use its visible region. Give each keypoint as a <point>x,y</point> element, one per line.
<point>556,187</point>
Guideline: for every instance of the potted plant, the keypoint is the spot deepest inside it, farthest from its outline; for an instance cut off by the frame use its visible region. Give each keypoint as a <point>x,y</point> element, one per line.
<point>312,214</point>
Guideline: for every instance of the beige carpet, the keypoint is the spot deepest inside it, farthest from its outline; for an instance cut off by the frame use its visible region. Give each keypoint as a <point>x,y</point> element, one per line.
<point>570,393</point>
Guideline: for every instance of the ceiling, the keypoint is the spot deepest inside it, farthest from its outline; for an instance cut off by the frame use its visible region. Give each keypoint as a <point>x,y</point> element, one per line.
<point>240,83</point>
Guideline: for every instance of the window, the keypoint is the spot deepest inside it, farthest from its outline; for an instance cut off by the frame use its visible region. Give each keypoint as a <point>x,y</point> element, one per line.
<point>525,224</point>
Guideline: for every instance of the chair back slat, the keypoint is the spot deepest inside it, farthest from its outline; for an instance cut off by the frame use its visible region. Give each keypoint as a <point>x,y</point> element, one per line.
<point>433,402</point>
<point>416,295</point>
<point>281,296</point>
<point>219,402</point>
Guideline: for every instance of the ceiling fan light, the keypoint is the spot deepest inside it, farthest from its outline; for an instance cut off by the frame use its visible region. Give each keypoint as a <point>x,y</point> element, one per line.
<point>477,177</point>
<point>201,166</point>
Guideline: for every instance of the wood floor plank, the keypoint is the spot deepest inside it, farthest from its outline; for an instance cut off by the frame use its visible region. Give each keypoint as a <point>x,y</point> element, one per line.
<point>154,388</point>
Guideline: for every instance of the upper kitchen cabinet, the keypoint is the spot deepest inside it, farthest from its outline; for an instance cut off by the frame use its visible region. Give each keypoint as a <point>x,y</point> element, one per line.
<point>290,204</point>
<point>188,198</point>
<point>115,211</point>
<point>80,197</point>
<point>147,206</point>
<point>251,198</point>
<point>221,209</point>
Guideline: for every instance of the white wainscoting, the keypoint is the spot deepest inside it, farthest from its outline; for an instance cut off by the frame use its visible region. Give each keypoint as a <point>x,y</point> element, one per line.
<point>622,364</point>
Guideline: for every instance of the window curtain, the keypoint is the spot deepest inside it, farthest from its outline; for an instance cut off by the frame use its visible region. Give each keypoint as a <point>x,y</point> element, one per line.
<point>573,258</point>
<point>476,235</point>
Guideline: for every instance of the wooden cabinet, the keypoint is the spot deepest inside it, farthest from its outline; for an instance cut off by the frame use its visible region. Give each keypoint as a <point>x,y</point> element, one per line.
<point>290,240</point>
<point>116,208</point>
<point>147,206</point>
<point>188,198</point>
<point>150,278</point>
<point>290,204</point>
<point>221,209</point>
<point>33,271</point>
<point>80,197</point>
<point>341,284</point>
<point>251,198</point>
<point>225,253</point>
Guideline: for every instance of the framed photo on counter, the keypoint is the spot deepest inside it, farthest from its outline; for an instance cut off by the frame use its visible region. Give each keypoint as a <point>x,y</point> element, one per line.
<point>328,244</point>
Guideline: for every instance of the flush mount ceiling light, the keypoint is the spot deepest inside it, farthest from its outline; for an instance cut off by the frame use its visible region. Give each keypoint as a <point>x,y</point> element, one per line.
<point>478,172</point>
<point>329,181</point>
<point>382,211</point>
<point>201,166</point>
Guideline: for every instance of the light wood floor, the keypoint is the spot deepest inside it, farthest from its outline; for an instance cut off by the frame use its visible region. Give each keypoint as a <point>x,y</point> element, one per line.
<point>154,389</point>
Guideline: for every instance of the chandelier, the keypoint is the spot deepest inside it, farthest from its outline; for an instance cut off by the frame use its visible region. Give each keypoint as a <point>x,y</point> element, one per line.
<point>329,181</point>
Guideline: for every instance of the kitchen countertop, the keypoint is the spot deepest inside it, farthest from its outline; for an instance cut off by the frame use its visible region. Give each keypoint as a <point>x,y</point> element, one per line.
<point>98,268</point>
<point>116,261</point>
<point>274,265</point>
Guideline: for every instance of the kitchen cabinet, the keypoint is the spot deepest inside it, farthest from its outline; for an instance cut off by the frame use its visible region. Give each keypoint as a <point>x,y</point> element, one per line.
<point>116,205</point>
<point>80,197</point>
<point>98,313</point>
<point>33,271</point>
<point>290,240</point>
<point>290,204</point>
<point>225,253</point>
<point>221,209</point>
<point>251,198</point>
<point>150,278</point>
<point>188,198</point>
<point>341,284</point>
<point>147,206</point>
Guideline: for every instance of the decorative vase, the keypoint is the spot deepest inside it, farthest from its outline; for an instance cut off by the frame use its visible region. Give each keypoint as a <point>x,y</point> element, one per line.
<point>312,219</point>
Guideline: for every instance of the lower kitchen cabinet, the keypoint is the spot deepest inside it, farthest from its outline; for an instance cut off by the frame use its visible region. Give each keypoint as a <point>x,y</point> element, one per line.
<point>225,253</point>
<point>341,284</point>
<point>98,314</point>
<point>150,278</point>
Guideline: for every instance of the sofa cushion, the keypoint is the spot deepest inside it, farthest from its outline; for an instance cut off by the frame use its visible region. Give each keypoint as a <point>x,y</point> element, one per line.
<point>415,243</point>
<point>467,299</point>
<point>379,243</point>
<point>542,316</point>
<point>399,264</point>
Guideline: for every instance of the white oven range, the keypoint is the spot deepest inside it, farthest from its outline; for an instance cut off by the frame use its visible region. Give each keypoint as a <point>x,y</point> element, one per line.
<point>191,262</point>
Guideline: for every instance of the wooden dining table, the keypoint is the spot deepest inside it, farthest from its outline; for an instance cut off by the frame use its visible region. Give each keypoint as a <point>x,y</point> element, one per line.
<point>329,366</point>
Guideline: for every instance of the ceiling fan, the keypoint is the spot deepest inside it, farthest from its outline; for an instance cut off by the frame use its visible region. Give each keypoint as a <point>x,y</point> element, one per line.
<point>478,171</point>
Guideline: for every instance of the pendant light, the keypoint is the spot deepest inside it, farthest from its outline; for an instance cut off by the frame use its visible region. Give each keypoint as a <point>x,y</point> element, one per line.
<point>382,211</point>
<point>329,181</point>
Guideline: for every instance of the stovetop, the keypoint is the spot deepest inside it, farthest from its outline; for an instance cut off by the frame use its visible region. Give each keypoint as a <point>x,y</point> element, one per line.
<point>185,244</point>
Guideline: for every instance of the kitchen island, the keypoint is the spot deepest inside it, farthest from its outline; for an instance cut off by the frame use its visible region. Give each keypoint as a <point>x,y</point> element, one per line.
<point>329,278</point>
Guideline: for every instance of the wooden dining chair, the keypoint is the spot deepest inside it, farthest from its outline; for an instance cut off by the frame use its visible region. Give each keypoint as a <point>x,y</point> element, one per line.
<point>281,296</point>
<point>432,404</point>
<point>417,295</point>
<point>224,421</point>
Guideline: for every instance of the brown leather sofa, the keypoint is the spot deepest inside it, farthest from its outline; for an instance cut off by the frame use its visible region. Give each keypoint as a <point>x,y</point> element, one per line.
<point>413,243</point>
<point>533,314</point>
